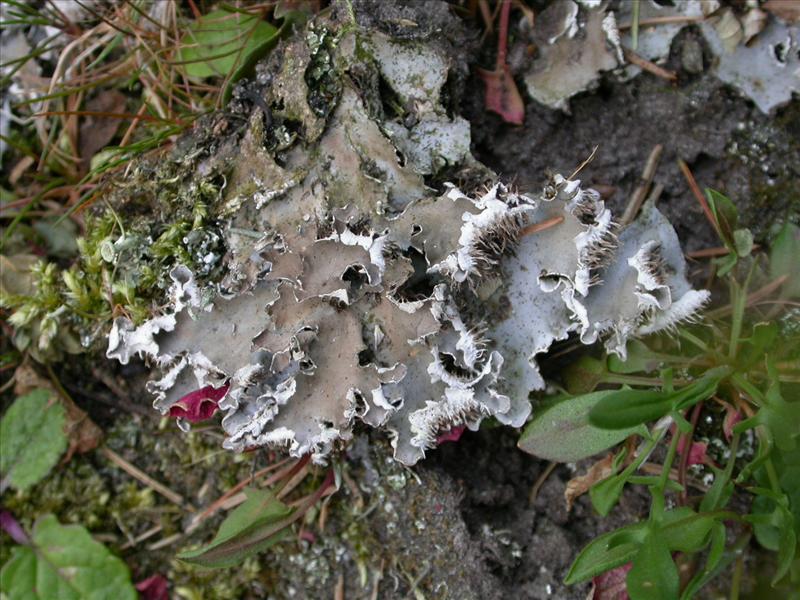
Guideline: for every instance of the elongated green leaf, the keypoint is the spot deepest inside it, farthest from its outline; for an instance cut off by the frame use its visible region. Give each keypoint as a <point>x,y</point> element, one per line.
<point>606,552</point>
<point>252,527</point>
<point>562,432</point>
<point>32,439</point>
<point>725,214</point>
<point>684,530</point>
<point>64,562</point>
<point>712,562</point>
<point>702,389</point>
<point>719,494</point>
<point>222,40</point>
<point>628,408</point>
<point>654,575</point>
<point>605,494</point>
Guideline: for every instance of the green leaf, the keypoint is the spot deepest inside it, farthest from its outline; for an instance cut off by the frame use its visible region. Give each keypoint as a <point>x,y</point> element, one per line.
<point>628,408</point>
<point>221,41</point>
<point>607,552</point>
<point>605,494</point>
<point>783,259</point>
<point>584,375</point>
<point>780,417</point>
<point>718,533</point>
<point>684,530</point>
<point>702,389</point>
<point>726,263</point>
<point>719,493</point>
<point>713,560</point>
<point>562,432</point>
<point>32,439</point>
<point>774,530</point>
<point>756,346</point>
<point>725,214</point>
<point>64,562</point>
<point>654,575</point>
<point>252,527</point>
<point>743,242</point>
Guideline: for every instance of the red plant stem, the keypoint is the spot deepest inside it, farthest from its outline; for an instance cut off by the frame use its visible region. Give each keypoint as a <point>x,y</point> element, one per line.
<point>687,448</point>
<point>502,38</point>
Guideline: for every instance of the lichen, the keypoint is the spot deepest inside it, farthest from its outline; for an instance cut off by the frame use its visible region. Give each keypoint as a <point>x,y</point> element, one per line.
<point>350,292</point>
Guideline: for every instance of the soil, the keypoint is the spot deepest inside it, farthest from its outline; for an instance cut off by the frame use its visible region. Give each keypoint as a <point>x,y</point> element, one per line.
<point>461,524</point>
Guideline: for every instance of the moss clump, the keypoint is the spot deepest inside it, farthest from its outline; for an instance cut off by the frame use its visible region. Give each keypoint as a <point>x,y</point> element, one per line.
<point>154,221</point>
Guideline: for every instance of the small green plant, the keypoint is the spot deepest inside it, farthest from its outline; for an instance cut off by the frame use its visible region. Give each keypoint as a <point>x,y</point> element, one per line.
<point>259,522</point>
<point>733,378</point>
<point>64,562</point>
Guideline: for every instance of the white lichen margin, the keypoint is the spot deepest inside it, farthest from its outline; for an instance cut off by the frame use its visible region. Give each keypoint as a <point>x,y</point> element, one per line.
<point>307,355</point>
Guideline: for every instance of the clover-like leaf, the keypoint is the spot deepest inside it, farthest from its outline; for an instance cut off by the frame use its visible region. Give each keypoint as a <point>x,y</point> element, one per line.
<point>64,562</point>
<point>222,40</point>
<point>32,439</point>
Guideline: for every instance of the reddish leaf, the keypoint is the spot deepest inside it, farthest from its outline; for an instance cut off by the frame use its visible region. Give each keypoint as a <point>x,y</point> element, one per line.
<point>307,536</point>
<point>12,527</point>
<point>697,452</point>
<point>199,405</point>
<point>611,584</point>
<point>453,435</point>
<point>502,95</point>
<point>732,417</point>
<point>153,588</point>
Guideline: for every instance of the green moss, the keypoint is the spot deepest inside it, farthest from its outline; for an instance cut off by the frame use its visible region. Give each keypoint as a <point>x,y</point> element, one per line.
<point>154,220</point>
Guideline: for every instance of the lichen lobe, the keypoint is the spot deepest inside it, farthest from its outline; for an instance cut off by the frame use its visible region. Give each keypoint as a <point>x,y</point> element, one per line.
<point>369,298</point>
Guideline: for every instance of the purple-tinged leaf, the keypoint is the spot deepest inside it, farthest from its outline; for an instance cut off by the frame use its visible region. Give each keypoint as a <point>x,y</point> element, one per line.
<point>12,527</point>
<point>452,435</point>
<point>153,588</point>
<point>199,405</point>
